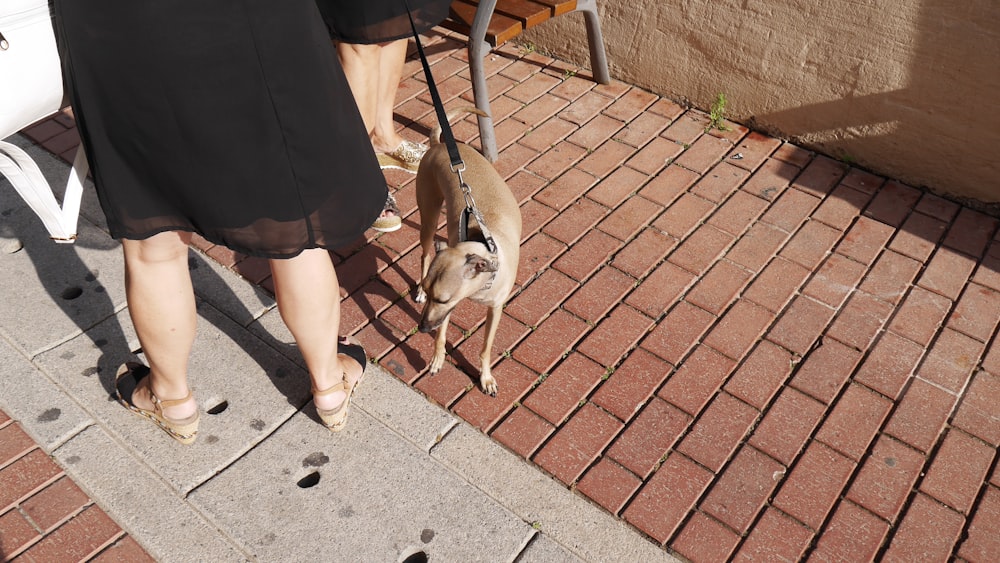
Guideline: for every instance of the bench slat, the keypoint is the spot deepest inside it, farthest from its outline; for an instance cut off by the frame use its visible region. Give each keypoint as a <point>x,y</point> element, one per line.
<point>501,29</point>
<point>529,13</point>
<point>559,7</point>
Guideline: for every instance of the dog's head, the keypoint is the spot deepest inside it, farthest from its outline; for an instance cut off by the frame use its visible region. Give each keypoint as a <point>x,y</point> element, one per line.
<point>455,273</point>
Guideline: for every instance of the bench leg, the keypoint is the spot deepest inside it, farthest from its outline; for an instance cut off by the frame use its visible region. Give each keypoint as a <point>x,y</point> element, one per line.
<point>595,40</point>
<point>479,49</point>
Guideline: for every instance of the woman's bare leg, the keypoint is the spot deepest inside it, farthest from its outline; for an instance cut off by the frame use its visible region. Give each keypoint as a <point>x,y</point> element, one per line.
<point>392,56</point>
<point>308,298</point>
<point>161,303</point>
<point>361,64</point>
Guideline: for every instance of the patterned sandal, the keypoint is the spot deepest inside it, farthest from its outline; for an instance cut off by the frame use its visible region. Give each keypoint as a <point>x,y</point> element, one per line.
<point>184,430</point>
<point>405,157</point>
<point>387,223</point>
<point>336,418</point>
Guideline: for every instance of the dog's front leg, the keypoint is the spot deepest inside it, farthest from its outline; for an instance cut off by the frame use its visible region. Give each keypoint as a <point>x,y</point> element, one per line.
<point>437,361</point>
<point>486,380</point>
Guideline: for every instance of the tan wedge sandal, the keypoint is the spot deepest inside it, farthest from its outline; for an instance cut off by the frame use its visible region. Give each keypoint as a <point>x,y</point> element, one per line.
<point>336,418</point>
<point>184,430</point>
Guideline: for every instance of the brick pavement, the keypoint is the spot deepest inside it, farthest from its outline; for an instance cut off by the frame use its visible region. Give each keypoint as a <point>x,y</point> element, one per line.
<point>742,348</point>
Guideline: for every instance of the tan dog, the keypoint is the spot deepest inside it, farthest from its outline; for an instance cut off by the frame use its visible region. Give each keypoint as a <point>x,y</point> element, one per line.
<point>465,270</point>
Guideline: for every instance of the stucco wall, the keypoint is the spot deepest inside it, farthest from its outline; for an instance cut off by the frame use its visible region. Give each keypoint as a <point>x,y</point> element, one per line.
<point>906,88</point>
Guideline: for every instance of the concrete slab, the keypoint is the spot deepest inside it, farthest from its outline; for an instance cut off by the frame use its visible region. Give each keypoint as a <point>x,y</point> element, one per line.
<point>250,388</point>
<point>374,497</point>
<point>146,507</point>
<point>543,550</point>
<point>29,396</point>
<point>573,522</point>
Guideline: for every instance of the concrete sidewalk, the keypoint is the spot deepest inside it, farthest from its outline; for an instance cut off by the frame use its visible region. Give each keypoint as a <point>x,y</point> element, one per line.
<point>264,481</point>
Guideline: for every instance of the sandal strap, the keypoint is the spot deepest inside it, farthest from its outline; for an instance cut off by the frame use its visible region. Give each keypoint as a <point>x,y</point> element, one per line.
<point>339,386</point>
<point>390,204</point>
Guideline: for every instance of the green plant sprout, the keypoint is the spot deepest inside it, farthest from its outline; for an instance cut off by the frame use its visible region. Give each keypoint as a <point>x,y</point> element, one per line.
<point>717,115</point>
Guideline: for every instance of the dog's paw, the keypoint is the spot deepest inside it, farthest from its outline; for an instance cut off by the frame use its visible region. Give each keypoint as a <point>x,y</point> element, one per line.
<point>436,363</point>
<point>420,296</point>
<point>489,385</point>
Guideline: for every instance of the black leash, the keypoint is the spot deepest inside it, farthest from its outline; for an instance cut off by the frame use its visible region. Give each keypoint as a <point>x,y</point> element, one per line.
<point>457,164</point>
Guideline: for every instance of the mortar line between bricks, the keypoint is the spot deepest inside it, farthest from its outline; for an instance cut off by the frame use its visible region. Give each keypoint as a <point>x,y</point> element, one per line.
<point>974,507</point>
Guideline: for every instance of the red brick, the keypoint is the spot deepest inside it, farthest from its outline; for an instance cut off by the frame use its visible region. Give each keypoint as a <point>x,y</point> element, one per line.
<point>684,215</point>
<point>951,360</point>
<point>743,489</point>
<point>619,186</point>
<point>977,414</point>
<point>604,290</point>
<point>609,485</point>
<point>660,290</point>
<point>53,504</point>
<point>79,539</point>
<point>508,334</point>
<point>971,232</point>
<point>696,380</point>
<point>719,287</point>
<point>893,203</point>
<point>642,129</point>
<point>44,130</point>
<point>920,316</point>
<point>561,392</point>
<point>718,432</point>
<point>853,534</point>
<point>890,277</point>
<point>523,432</point>
<point>704,153</point>
<point>770,180</point>
<point>578,443</point>
<point>835,280</point>
<point>718,184</point>
<point>606,158</point>
<point>631,104</point>
<point>842,207</point>
<point>958,469</point>
<point>575,220</point>
<point>446,386</point>
<point>937,207</point>
<point>671,183</point>
<point>825,370</point>
<point>774,287</point>
<point>889,365</point>
<point>801,325</point>
<point>814,485</point>
<point>790,210</point>
<point>810,244</point>
<point>595,131</point>
<point>14,443</point>
<point>740,329</point>
<point>16,533</point>
<point>787,425</point>
<point>983,542</point>
<point>565,189</point>
<point>686,128</point>
<point>547,344</point>
<point>854,421</point>
<point>632,384</point>
<point>543,107</point>
<point>534,215</point>
<point>928,532</point>
<point>573,87</point>
<point>666,108</point>
<point>25,476</point>
<point>540,297</point>
<point>651,435</point>
<point>755,148</point>
<point>761,375</point>
<point>792,154</point>
<point>860,320</point>
<point>663,502</point>
<point>864,181</point>
<point>643,253</point>
<point>738,213</point>
<point>918,236</point>
<point>991,362</point>
<point>125,550</point>
<point>947,273</point>
<point>886,478</point>
<point>920,415</point>
<point>484,411</point>
<point>820,176</point>
<point>977,312</point>
<point>632,215</point>
<point>705,540</point>
<point>701,249</point>
<point>652,158</point>
<point>775,537</point>
<point>678,332</point>
<point>865,240</point>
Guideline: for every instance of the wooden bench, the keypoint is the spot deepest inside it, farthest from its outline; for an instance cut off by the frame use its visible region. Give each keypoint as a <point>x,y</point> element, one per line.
<point>491,23</point>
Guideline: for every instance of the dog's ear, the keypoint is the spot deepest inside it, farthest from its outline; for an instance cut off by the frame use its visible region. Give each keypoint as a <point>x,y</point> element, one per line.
<point>440,245</point>
<point>475,265</point>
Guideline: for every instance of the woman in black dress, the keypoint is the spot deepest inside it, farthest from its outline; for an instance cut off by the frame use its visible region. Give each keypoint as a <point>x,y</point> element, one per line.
<point>371,39</point>
<point>231,119</point>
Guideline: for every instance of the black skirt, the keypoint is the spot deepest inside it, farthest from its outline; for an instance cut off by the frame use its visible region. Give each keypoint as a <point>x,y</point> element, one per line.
<point>380,21</point>
<point>229,118</point>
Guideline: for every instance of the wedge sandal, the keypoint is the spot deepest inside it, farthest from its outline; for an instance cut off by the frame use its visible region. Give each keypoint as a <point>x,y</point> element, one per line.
<point>388,223</point>
<point>404,157</point>
<point>335,419</point>
<point>184,430</point>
